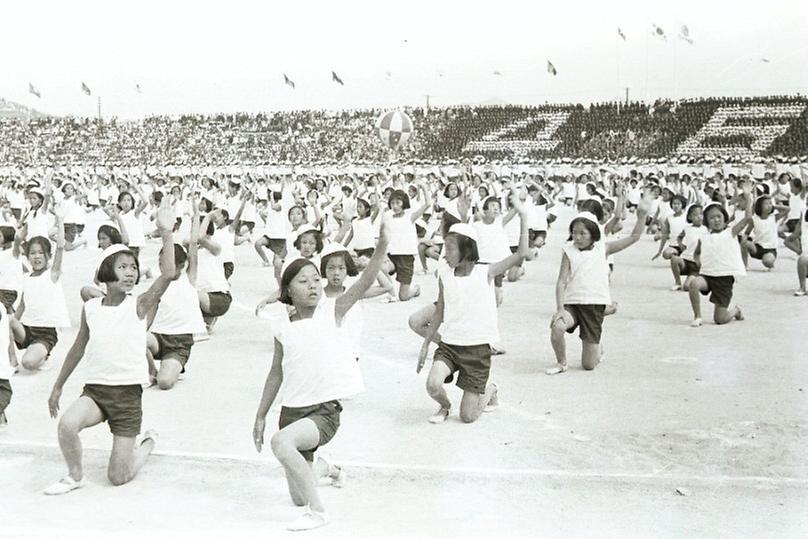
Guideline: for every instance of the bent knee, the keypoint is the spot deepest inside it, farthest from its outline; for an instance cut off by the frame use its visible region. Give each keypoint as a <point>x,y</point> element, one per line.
<point>467,416</point>
<point>433,386</point>
<point>118,477</point>
<point>165,382</point>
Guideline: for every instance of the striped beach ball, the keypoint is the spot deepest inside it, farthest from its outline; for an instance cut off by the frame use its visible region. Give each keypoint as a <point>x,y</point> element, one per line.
<point>394,129</point>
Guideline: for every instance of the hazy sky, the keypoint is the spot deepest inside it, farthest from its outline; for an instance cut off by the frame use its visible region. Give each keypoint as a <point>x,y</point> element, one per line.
<point>231,56</point>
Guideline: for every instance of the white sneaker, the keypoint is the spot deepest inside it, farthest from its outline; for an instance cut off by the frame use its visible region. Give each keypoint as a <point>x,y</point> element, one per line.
<point>558,368</point>
<point>309,520</point>
<point>63,486</point>
<point>799,293</point>
<point>676,288</point>
<point>696,323</point>
<point>439,416</point>
<point>340,479</point>
<point>493,402</point>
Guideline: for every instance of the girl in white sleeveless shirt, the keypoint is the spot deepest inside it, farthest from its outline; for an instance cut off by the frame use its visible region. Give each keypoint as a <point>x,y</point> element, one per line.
<point>178,318</point>
<point>315,372</point>
<point>7,359</point>
<point>582,289</point>
<point>404,240</point>
<point>763,243</point>
<point>42,308</point>
<point>719,255</point>
<point>802,260</point>
<point>112,340</point>
<point>685,262</point>
<point>672,227</point>
<point>467,310</point>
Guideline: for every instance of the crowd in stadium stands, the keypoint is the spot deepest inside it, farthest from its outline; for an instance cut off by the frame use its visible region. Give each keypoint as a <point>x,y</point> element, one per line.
<point>710,128</point>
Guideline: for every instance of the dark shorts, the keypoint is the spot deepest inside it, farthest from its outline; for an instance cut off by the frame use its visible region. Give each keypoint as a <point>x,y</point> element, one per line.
<point>135,250</point>
<point>7,299</point>
<point>691,268</point>
<point>71,231</point>
<point>249,224</point>
<point>325,415</point>
<point>276,245</point>
<point>720,289</point>
<point>791,225</point>
<point>5,394</point>
<point>174,347</point>
<point>219,303</point>
<point>404,267</point>
<point>761,251</point>
<point>228,269</point>
<point>44,336</point>
<point>473,363</point>
<point>365,252</point>
<point>589,318</point>
<point>120,405</point>
<point>679,249</point>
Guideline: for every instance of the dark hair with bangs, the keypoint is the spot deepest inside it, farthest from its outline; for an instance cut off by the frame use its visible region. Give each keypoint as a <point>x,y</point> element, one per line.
<point>106,271</point>
<point>591,227</point>
<point>318,237</point>
<point>350,265</point>
<point>290,273</point>
<point>8,233</point>
<point>42,241</point>
<point>594,207</point>
<point>681,199</point>
<point>466,246</point>
<point>719,207</point>
<point>489,200</point>
<point>400,195</point>
<point>691,210</point>
<point>111,232</point>
<point>759,204</point>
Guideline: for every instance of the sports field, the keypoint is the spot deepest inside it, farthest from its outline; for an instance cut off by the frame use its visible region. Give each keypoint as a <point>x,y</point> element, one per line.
<point>680,432</point>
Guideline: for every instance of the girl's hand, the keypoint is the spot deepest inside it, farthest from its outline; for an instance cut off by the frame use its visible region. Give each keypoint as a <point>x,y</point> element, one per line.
<point>654,257</point>
<point>644,205</point>
<point>258,433</point>
<point>516,202</point>
<point>165,216</point>
<point>59,212</point>
<point>422,356</point>
<point>261,304</point>
<point>53,401</point>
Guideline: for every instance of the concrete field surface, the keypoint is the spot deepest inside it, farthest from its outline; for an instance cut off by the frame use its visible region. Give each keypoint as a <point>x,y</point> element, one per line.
<point>680,432</point>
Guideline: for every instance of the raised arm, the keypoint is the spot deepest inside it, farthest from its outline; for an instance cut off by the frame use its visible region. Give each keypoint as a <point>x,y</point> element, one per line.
<point>636,233</point>
<point>56,267</point>
<point>505,264</point>
<point>358,289</point>
<point>148,300</point>
<point>747,219</point>
<point>193,243</point>
<point>419,211</point>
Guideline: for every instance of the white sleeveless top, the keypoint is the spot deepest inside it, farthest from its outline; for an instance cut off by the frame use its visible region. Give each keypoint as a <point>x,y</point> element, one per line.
<point>45,304</point>
<point>470,307</point>
<point>765,231</point>
<point>210,272</point>
<point>676,225</point>
<point>74,212</point>
<point>10,271</point>
<point>492,241</point>
<point>6,372</point>
<point>317,367</point>
<point>721,255</point>
<point>37,224</point>
<point>227,240</point>
<point>363,235</point>
<point>691,240</point>
<point>277,224</point>
<point>116,351</point>
<point>178,312</point>
<point>403,236</point>
<point>589,276</point>
<point>134,229</point>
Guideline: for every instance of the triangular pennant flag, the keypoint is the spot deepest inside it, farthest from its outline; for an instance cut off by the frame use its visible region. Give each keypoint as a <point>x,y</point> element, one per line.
<point>621,34</point>
<point>684,34</point>
<point>659,32</point>
<point>335,78</point>
<point>388,75</point>
<point>85,89</point>
<point>288,82</point>
<point>32,90</point>
<point>138,89</point>
<point>497,73</point>
<point>551,68</point>
<point>765,60</point>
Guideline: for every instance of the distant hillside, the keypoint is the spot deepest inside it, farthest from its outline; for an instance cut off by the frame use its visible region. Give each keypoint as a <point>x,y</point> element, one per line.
<point>10,109</point>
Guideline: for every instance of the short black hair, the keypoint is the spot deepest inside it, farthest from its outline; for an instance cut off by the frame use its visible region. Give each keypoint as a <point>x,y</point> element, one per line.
<point>591,227</point>
<point>350,265</point>
<point>681,199</point>
<point>126,194</point>
<point>467,247</point>
<point>111,232</point>
<point>296,207</point>
<point>717,207</point>
<point>759,204</point>
<point>318,237</point>
<point>401,195</point>
<point>42,241</point>
<point>594,207</point>
<point>106,271</point>
<point>489,200</point>
<point>691,210</point>
<point>8,233</point>
<point>448,185</point>
<point>290,273</point>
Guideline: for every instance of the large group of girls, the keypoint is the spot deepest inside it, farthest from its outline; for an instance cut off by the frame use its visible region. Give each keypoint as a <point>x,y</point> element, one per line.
<point>329,242</point>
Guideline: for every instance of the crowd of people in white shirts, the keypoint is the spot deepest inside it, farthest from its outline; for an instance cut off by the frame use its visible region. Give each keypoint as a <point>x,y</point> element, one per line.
<point>331,239</point>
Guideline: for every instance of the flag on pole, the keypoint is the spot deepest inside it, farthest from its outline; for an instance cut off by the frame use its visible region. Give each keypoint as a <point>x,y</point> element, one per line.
<point>621,34</point>
<point>765,60</point>
<point>659,32</point>
<point>335,78</point>
<point>497,73</point>
<point>138,89</point>
<point>32,90</point>
<point>388,75</point>
<point>85,89</point>
<point>684,34</point>
<point>551,68</point>
<point>288,82</point>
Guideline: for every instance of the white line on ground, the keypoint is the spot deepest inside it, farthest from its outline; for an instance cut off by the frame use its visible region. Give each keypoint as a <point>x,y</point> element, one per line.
<point>470,470</point>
